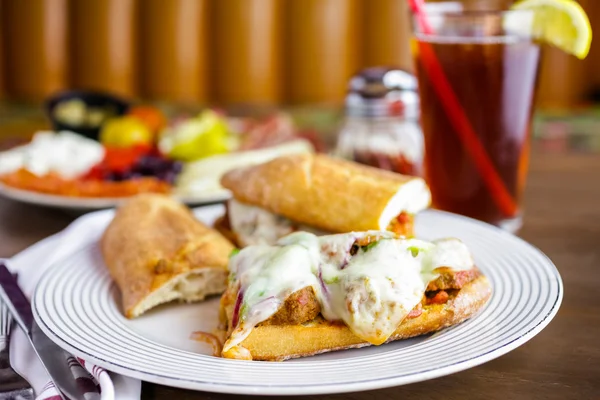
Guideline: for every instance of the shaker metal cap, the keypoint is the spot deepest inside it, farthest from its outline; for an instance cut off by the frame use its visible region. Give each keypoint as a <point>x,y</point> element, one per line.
<point>383,91</point>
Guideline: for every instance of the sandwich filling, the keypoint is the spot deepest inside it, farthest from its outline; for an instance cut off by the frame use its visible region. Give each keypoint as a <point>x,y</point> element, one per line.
<point>371,281</point>
<point>254,225</point>
<point>412,197</point>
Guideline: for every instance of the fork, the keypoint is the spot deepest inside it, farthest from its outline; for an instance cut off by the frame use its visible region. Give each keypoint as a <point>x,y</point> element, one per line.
<point>12,385</point>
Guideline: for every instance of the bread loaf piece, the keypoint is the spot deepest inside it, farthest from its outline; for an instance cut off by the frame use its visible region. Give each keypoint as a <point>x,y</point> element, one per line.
<point>157,252</point>
<point>328,193</point>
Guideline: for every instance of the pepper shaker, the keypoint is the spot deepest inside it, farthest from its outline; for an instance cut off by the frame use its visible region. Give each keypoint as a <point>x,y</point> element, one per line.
<point>381,123</point>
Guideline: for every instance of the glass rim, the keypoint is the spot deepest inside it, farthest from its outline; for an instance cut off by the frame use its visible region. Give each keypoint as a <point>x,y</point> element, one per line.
<point>438,9</point>
<point>454,12</point>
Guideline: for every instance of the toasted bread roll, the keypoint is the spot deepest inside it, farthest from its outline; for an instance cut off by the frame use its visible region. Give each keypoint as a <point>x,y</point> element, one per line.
<point>327,193</point>
<point>156,251</point>
<point>281,342</point>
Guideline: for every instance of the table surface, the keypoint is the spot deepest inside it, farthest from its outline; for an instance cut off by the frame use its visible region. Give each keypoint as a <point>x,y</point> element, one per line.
<point>562,218</point>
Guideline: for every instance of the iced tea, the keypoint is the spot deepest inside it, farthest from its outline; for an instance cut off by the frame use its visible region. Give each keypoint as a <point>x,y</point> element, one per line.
<point>494,80</point>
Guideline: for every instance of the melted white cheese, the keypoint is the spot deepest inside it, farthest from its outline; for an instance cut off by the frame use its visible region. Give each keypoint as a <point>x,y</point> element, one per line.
<point>371,291</point>
<point>376,289</point>
<point>267,276</point>
<point>65,153</point>
<point>452,253</point>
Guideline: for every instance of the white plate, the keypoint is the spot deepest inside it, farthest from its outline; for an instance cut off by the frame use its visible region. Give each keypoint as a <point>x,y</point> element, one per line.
<point>77,305</point>
<point>89,204</point>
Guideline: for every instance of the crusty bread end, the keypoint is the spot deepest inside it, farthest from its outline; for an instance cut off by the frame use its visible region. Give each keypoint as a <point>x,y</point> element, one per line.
<point>157,251</point>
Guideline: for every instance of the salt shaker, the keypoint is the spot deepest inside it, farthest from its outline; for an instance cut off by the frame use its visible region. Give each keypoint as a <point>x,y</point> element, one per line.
<point>381,123</point>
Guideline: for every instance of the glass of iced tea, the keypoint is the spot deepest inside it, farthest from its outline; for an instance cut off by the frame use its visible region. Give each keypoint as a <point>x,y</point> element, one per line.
<point>477,73</point>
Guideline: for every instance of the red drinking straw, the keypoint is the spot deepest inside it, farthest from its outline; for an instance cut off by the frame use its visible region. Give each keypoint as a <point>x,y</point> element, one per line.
<point>459,119</point>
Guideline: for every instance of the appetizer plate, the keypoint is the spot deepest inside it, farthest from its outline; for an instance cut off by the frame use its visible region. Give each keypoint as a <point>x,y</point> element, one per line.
<point>91,204</point>
<point>77,306</point>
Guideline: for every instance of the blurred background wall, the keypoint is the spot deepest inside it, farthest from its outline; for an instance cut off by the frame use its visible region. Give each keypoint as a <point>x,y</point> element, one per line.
<point>227,52</point>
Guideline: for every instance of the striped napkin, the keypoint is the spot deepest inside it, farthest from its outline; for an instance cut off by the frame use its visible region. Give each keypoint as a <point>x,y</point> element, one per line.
<point>98,383</point>
<point>95,382</point>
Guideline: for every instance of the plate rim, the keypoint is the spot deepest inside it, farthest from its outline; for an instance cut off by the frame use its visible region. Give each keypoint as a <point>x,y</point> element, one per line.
<point>95,203</point>
<point>324,388</point>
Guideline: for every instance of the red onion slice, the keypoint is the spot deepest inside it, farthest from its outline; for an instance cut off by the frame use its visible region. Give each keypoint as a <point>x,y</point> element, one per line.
<point>236,309</point>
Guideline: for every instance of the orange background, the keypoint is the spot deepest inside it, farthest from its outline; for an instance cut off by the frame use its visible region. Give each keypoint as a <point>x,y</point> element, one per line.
<point>227,52</point>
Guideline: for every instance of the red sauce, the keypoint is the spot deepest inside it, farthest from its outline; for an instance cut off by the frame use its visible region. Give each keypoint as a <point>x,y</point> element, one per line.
<point>440,297</point>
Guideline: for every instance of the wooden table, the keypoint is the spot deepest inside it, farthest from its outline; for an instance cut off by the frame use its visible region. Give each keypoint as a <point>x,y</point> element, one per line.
<point>563,362</point>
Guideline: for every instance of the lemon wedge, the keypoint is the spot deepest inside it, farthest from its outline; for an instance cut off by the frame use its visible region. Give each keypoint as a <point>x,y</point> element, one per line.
<point>561,23</point>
